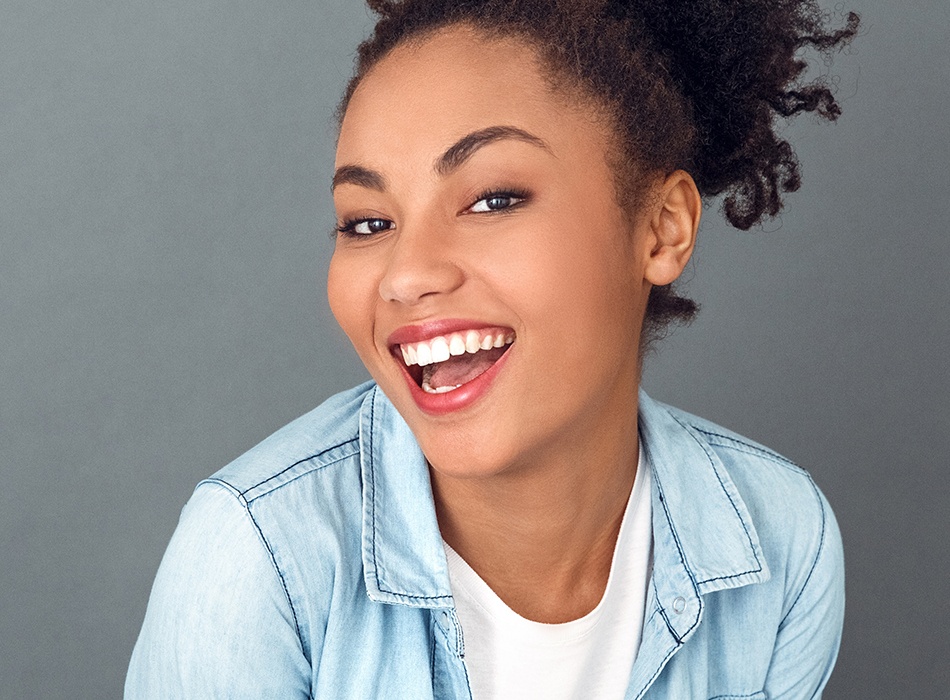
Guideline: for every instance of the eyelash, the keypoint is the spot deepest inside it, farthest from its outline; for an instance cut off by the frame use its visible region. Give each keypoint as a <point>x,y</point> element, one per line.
<point>348,227</point>
<point>509,193</point>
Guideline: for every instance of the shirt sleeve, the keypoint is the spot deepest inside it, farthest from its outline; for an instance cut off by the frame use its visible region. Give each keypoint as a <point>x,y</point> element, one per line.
<point>809,636</point>
<point>219,622</point>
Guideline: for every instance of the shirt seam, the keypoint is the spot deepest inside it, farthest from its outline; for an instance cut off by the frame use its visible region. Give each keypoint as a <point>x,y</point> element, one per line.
<point>315,467</point>
<point>741,446</point>
<point>821,548</point>
<point>679,643</point>
<point>270,552</point>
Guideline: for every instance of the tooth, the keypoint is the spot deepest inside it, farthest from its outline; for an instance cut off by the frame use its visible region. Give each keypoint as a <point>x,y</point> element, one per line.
<point>405,354</point>
<point>509,339</point>
<point>486,342</point>
<point>429,389</point>
<point>472,344</point>
<point>456,344</point>
<point>413,358</point>
<point>499,340</point>
<point>423,354</point>
<point>440,349</point>
<point>442,389</point>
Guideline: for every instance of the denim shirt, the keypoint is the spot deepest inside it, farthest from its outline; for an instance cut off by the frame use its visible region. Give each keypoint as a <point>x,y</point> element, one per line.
<point>313,567</point>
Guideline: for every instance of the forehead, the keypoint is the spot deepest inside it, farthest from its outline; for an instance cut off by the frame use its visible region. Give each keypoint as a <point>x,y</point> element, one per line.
<point>426,93</point>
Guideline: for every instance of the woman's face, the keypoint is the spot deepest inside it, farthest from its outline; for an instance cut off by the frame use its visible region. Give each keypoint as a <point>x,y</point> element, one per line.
<point>478,211</point>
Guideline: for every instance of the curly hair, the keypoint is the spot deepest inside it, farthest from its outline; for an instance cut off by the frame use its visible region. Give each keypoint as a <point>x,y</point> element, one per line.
<point>688,85</point>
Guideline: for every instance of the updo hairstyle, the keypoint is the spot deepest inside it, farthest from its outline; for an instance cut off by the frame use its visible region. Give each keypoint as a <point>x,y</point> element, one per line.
<point>688,84</point>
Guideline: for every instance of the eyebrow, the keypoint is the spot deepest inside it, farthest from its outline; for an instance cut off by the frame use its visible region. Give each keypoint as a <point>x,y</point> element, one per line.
<point>358,175</point>
<point>450,161</point>
<point>465,147</point>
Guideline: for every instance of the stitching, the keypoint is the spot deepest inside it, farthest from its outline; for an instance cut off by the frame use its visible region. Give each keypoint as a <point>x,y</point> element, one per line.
<point>745,447</point>
<point>737,697</point>
<point>731,502</point>
<point>460,634</point>
<point>372,457</point>
<point>317,467</point>
<point>372,420</point>
<point>301,461</point>
<point>726,578</point>
<point>659,670</point>
<point>679,550</point>
<point>270,552</point>
<point>821,548</point>
<point>280,574</point>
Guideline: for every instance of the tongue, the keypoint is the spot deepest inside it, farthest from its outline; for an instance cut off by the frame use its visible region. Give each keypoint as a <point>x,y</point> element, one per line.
<point>462,368</point>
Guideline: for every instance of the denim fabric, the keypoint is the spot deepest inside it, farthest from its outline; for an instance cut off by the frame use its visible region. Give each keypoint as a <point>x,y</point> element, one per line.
<point>312,567</point>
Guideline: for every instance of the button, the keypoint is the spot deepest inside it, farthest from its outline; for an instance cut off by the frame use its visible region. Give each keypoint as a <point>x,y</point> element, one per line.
<point>444,620</point>
<point>679,604</point>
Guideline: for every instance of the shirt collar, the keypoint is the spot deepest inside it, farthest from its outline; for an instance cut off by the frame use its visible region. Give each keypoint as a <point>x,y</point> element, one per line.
<point>703,536</point>
<point>403,558</point>
<point>704,539</point>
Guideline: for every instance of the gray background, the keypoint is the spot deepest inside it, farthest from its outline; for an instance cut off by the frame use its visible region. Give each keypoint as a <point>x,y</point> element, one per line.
<point>164,210</point>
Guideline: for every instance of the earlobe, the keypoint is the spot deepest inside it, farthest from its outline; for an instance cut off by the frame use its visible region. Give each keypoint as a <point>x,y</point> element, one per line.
<point>673,227</point>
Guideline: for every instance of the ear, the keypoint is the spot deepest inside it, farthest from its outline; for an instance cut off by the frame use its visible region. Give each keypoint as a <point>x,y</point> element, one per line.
<point>672,228</point>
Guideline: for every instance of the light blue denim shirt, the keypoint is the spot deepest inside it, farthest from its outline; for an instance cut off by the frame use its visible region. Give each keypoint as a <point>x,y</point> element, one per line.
<point>313,567</point>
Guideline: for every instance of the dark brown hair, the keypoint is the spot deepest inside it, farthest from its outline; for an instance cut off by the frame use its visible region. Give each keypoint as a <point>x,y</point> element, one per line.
<point>691,84</point>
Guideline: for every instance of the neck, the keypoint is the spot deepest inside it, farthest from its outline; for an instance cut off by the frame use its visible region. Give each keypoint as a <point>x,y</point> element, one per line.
<point>542,533</point>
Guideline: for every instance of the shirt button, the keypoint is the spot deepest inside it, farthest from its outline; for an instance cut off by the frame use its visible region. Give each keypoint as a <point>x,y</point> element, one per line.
<point>444,619</point>
<point>679,604</point>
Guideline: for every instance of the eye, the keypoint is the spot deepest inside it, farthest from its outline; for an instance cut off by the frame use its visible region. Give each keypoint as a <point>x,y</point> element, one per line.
<point>364,227</point>
<point>497,201</point>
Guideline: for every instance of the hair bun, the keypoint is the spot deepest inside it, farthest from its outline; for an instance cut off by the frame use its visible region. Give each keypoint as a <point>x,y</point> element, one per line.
<point>737,62</point>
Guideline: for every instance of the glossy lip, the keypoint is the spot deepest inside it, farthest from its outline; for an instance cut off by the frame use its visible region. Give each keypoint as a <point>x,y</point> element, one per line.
<point>457,399</point>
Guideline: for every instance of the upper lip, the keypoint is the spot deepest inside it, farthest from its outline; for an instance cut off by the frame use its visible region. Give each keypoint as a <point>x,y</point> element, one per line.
<point>430,329</point>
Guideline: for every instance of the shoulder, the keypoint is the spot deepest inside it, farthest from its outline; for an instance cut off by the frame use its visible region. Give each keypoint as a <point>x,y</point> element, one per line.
<point>790,516</point>
<point>774,488</point>
<point>271,535</point>
<point>326,436</point>
<point>300,490</point>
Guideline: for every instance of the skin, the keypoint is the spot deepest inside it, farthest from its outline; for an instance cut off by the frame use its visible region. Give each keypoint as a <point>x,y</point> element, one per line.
<point>531,480</point>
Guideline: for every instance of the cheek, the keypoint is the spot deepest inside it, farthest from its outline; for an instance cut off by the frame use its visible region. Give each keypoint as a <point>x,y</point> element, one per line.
<point>348,298</point>
<point>575,268</point>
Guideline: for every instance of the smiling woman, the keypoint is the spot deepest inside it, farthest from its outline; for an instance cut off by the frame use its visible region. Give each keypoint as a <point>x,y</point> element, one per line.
<point>502,513</point>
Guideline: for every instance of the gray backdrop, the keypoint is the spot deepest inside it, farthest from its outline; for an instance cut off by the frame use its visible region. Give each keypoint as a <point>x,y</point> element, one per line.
<point>164,206</point>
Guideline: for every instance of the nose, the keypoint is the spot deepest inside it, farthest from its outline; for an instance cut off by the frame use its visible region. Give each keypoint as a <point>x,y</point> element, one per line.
<point>420,266</point>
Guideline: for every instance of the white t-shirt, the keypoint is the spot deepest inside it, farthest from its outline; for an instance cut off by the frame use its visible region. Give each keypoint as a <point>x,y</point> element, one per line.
<point>510,657</point>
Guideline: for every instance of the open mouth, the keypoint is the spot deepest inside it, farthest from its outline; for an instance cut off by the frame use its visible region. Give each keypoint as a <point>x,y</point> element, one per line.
<point>446,362</point>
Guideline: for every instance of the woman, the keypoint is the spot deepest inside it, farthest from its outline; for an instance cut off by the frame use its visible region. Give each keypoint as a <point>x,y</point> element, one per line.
<point>501,514</point>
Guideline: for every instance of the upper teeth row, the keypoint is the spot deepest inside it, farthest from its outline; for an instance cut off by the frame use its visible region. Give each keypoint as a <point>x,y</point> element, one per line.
<point>442,347</point>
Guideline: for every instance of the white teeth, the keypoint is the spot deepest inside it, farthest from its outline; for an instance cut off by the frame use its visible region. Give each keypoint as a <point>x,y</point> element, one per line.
<point>441,348</point>
<point>443,389</point>
<point>472,344</point>
<point>456,345</point>
<point>439,389</point>
<point>423,354</point>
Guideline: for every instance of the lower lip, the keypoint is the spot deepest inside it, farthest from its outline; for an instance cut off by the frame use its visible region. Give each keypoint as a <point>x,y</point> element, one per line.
<point>457,399</point>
